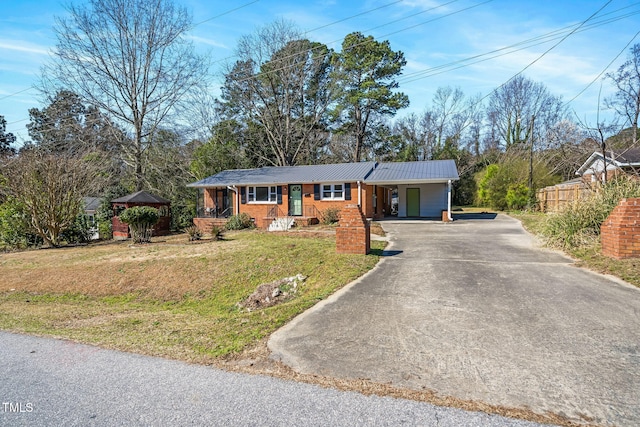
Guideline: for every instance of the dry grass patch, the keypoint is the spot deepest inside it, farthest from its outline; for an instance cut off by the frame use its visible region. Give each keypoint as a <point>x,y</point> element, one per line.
<point>588,255</point>
<point>173,297</point>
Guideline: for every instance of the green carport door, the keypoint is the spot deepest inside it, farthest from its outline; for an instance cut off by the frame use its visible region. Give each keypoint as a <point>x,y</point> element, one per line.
<point>413,202</point>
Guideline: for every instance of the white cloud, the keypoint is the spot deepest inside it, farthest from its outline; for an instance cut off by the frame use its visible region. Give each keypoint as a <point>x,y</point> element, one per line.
<point>207,41</point>
<point>22,46</point>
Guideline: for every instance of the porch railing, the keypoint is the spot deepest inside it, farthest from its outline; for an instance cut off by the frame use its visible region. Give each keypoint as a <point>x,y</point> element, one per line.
<point>311,212</point>
<point>276,212</point>
<point>203,212</point>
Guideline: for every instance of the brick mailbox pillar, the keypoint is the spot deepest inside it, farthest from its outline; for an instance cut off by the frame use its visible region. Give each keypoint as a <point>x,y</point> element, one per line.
<point>353,235</point>
<point>620,233</point>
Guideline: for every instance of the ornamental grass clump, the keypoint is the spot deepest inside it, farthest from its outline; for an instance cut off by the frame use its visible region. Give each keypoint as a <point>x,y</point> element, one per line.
<point>193,232</point>
<point>141,220</point>
<point>578,224</point>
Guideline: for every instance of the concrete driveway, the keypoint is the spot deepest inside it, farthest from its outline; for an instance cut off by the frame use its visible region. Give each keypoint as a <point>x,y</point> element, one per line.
<point>476,310</point>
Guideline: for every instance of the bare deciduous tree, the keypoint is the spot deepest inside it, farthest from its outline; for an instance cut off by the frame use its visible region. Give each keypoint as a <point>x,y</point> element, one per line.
<point>130,59</point>
<point>281,83</point>
<point>513,106</point>
<point>626,100</point>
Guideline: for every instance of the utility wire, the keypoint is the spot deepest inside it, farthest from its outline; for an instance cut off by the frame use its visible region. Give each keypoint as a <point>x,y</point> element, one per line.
<point>357,15</point>
<point>604,70</point>
<point>358,44</point>
<point>541,39</point>
<point>225,13</point>
<point>539,57</point>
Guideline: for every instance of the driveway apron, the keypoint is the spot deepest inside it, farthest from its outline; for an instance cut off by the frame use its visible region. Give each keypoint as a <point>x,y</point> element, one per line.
<point>477,310</point>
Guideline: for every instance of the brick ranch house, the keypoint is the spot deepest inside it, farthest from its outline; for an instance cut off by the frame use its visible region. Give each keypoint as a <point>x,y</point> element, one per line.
<point>302,193</point>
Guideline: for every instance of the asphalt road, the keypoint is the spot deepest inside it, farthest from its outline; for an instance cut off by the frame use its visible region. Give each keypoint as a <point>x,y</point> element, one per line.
<point>476,310</point>
<point>47,382</point>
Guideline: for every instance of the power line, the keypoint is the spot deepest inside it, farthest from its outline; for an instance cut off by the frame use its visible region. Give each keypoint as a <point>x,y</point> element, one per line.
<point>15,93</point>
<point>534,41</point>
<point>604,70</point>
<point>358,44</point>
<point>225,13</point>
<point>539,57</point>
<point>361,14</point>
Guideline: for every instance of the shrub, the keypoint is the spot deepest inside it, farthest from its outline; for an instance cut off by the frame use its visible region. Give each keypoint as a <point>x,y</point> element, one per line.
<point>105,230</point>
<point>15,232</point>
<point>79,232</point>
<point>194,233</point>
<point>141,220</point>
<point>239,222</point>
<point>578,224</point>
<point>518,196</point>
<point>216,232</point>
<point>330,216</point>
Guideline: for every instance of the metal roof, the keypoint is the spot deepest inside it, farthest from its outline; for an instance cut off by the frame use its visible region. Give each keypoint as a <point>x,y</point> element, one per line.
<point>368,172</point>
<point>141,197</point>
<point>341,172</point>
<point>91,204</point>
<point>413,172</point>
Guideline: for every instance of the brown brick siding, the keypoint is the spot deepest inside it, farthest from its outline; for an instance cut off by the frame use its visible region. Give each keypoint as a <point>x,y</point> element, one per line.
<point>311,208</point>
<point>205,224</point>
<point>620,233</point>
<point>353,235</point>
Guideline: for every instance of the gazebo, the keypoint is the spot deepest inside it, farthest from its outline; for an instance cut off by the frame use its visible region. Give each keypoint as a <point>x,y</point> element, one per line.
<point>140,198</point>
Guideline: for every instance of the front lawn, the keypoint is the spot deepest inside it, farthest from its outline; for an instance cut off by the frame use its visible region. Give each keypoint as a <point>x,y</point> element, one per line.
<point>170,298</point>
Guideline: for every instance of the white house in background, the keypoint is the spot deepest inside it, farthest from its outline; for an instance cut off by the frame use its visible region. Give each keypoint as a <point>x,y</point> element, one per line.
<point>619,161</point>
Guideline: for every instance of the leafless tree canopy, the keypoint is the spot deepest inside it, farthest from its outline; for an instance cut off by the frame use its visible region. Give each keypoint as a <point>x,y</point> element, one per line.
<point>513,105</point>
<point>281,84</point>
<point>130,59</point>
<point>626,100</point>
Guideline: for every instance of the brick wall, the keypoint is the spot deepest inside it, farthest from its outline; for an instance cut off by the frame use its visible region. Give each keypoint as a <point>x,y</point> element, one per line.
<point>353,235</point>
<point>620,233</point>
<point>205,224</point>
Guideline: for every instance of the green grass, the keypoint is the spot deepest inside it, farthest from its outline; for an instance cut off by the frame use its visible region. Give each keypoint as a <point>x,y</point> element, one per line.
<point>171,298</point>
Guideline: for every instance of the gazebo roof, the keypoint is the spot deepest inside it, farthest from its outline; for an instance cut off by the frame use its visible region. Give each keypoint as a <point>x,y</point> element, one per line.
<point>141,197</point>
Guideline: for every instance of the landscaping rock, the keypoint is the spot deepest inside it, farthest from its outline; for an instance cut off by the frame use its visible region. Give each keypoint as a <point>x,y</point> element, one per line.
<point>276,292</point>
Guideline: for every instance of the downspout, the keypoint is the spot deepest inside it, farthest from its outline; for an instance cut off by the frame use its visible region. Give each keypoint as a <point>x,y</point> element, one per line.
<point>360,194</point>
<point>235,190</point>
<point>449,201</point>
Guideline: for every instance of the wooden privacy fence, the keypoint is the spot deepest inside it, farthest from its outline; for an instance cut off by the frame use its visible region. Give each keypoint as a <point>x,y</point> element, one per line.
<point>554,198</point>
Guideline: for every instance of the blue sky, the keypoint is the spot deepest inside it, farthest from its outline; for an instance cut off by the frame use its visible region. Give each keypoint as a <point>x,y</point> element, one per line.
<point>438,38</point>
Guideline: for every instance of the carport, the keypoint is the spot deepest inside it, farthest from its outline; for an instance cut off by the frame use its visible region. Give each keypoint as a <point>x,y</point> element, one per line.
<point>423,188</point>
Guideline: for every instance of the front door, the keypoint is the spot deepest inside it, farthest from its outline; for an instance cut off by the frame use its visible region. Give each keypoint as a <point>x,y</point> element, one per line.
<point>295,200</point>
<point>413,202</point>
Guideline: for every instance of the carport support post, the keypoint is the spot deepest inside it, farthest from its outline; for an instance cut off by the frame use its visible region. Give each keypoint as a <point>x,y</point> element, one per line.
<point>449,201</point>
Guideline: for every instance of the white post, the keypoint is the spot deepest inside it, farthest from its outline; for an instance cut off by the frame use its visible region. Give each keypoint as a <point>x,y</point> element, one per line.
<point>449,201</point>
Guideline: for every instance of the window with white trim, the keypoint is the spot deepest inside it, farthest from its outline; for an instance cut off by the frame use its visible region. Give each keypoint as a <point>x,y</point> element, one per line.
<point>262,194</point>
<point>332,191</point>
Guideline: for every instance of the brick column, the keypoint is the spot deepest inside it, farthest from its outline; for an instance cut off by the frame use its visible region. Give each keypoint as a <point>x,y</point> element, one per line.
<point>353,235</point>
<point>620,233</point>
